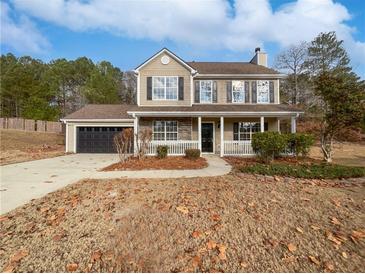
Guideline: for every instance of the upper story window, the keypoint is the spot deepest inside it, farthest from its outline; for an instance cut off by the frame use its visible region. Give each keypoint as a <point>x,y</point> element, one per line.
<point>263,91</point>
<point>238,91</point>
<point>164,130</point>
<point>164,88</point>
<point>206,91</point>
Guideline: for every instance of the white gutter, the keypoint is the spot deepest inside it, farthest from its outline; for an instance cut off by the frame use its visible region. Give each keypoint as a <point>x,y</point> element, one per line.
<point>266,76</point>
<point>215,113</point>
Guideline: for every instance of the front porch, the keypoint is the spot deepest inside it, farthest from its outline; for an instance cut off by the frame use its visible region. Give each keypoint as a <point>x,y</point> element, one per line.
<point>224,136</point>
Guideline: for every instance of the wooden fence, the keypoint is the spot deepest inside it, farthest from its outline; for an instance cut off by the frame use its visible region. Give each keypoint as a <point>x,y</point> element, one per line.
<point>31,125</point>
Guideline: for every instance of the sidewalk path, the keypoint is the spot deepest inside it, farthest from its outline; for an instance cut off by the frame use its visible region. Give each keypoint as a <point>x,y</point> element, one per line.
<point>22,182</point>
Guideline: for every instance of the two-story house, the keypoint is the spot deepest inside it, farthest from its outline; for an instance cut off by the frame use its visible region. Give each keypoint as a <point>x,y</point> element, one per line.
<point>213,106</point>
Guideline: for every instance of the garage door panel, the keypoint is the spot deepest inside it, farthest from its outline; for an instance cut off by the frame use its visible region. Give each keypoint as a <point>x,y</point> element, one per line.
<point>97,139</point>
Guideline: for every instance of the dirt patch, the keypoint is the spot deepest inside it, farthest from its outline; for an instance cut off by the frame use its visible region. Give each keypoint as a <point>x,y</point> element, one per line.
<point>20,146</point>
<point>170,163</point>
<point>233,223</point>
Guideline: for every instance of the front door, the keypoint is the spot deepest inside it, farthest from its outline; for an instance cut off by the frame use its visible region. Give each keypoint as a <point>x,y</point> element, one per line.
<point>207,137</point>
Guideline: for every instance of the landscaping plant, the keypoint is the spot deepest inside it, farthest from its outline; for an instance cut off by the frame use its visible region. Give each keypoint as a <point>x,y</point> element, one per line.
<point>143,137</point>
<point>123,142</point>
<point>268,145</point>
<point>192,153</point>
<point>300,143</point>
<point>162,151</point>
<point>308,171</point>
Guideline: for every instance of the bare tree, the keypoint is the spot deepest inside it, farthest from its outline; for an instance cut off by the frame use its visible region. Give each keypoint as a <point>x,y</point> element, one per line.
<point>123,142</point>
<point>292,61</point>
<point>144,137</point>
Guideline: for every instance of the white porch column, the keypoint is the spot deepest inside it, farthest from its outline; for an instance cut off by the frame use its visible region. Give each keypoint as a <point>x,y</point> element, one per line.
<point>135,135</point>
<point>293,124</point>
<point>200,133</point>
<point>222,136</point>
<point>262,124</point>
<point>278,124</point>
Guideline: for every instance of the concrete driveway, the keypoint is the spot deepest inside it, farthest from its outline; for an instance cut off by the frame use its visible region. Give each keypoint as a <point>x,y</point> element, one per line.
<point>22,182</point>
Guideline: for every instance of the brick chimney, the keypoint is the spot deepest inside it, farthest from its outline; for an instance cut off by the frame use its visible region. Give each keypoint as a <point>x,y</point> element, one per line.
<point>260,58</point>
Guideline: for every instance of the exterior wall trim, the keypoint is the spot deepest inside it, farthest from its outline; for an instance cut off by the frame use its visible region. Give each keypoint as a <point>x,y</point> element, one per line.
<point>224,76</point>
<point>94,120</point>
<point>216,114</point>
<point>165,50</point>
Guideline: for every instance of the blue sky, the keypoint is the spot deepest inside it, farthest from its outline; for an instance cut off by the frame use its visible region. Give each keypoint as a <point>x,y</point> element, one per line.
<point>127,32</point>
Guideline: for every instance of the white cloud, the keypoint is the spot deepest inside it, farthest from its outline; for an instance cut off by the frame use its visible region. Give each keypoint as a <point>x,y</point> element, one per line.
<point>213,24</point>
<point>22,35</point>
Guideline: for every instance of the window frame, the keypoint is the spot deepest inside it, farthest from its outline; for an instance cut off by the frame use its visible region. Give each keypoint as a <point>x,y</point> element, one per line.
<point>252,124</point>
<point>257,92</point>
<point>244,92</point>
<point>165,132</point>
<point>200,92</point>
<point>165,88</point>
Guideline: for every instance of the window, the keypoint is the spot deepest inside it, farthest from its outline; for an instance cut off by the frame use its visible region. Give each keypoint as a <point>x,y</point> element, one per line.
<point>263,91</point>
<point>165,130</point>
<point>238,91</point>
<point>206,91</point>
<point>246,129</point>
<point>164,88</point>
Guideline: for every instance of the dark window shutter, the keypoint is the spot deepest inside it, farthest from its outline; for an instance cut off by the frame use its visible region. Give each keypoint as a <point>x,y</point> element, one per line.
<point>149,88</point>
<point>215,92</point>
<point>271,89</point>
<point>266,126</point>
<point>229,92</point>
<point>181,88</point>
<point>254,92</point>
<point>247,92</point>
<point>235,131</point>
<point>197,92</point>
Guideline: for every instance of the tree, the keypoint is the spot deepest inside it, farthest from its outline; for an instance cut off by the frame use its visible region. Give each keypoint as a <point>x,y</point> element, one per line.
<point>292,62</point>
<point>103,85</point>
<point>340,91</point>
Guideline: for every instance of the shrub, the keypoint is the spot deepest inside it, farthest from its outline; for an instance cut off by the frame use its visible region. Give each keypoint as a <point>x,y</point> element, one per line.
<point>300,143</point>
<point>308,171</point>
<point>192,153</point>
<point>268,145</point>
<point>162,151</point>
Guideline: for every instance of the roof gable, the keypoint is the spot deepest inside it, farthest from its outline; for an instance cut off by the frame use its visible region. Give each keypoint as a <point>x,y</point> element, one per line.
<point>171,54</point>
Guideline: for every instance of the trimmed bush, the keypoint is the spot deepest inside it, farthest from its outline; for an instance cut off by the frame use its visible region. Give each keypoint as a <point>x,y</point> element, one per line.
<point>300,143</point>
<point>308,171</point>
<point>268,145</point>
<point>192,153</point>
<point>162,151</point>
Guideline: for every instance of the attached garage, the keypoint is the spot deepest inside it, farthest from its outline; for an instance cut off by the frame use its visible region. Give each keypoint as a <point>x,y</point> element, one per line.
<point>96,139</point>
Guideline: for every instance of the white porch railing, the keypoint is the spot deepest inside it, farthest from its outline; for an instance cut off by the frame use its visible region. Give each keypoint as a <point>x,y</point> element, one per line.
<point>175,147</point>
<point>237,148</point>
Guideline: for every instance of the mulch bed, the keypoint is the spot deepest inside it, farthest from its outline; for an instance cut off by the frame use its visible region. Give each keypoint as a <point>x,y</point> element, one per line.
<point>232,223</point>
<point>170,163</point>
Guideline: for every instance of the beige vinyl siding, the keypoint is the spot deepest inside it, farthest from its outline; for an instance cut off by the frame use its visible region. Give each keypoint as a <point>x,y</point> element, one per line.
<point>222,90</point>
<point>183,125</point>
<point>156,68</point>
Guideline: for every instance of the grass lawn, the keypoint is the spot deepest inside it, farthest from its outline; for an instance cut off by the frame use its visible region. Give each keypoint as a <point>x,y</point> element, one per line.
<point>237,222</point>
<point>20,146</point>
<point>348,154</point>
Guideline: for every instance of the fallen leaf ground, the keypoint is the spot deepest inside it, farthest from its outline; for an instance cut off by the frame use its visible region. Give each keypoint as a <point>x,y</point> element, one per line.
<point>20,146</point>
<point>233,223</point>
<point>171,162</point>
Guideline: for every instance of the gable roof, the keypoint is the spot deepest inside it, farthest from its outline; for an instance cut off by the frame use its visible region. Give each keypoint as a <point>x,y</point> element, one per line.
<point>230,68</point>
<point>173,55</point>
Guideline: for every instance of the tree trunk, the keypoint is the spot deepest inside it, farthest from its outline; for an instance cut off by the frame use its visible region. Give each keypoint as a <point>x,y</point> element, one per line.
<point>326,145</point>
